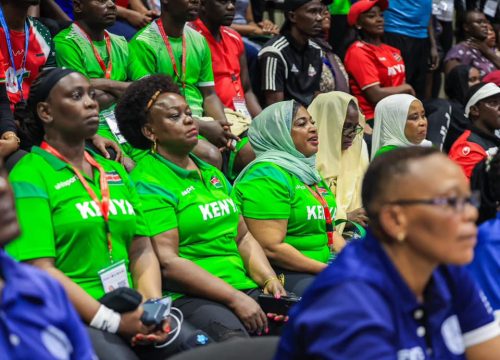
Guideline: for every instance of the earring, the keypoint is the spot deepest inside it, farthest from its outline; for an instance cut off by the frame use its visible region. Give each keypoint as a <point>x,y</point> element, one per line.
<point>358,27</point>
<point>154,147</point>
<point>401,237</point>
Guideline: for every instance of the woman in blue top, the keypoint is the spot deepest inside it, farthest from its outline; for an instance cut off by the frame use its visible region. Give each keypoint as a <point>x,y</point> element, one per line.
<point>401,292</point>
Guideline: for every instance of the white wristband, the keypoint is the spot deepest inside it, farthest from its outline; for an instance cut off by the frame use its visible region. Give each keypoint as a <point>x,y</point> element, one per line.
<point>106,320</point>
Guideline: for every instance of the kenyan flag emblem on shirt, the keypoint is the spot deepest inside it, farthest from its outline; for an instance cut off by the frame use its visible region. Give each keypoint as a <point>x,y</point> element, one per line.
<point>113,178</point>
<point>322,191</point>
<point>216,182</point>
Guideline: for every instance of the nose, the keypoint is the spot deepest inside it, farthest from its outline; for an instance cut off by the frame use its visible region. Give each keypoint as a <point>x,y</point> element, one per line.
<point>188,119</point>
<point>90,102</point>
<point>111,4</point>
<point>230,6</point>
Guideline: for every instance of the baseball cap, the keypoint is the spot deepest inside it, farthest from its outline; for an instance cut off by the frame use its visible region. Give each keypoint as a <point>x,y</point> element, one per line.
<point>362,6</point>
<point>291,5</point>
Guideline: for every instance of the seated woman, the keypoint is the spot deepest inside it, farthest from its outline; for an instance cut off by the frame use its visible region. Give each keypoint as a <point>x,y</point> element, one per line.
<point>399,122</point>
<point>402,291</point>
<point>79,215</point>
<point>285,203</point>
<point>376,70</point>
<point>211,264</point>
<point>342,155</point>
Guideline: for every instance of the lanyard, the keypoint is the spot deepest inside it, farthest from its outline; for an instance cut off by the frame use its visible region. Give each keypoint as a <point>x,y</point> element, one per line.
<point>171,54</point>
<point>106,69</point>
<point>328,215</point>
<point>104,203</point>
<point>11,52</point>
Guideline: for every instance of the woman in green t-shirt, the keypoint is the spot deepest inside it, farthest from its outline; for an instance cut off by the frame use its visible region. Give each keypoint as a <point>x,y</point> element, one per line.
<point>399,122</point>
<point>285,203</point>
<point>212,266</point>
<point>80,215</point>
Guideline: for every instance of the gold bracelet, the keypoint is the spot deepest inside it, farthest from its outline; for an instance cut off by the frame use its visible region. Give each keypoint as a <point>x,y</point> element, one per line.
<point>280,278</point>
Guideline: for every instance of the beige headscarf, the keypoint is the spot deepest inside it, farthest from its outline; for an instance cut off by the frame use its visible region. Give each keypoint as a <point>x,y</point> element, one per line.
<point>342,170</point>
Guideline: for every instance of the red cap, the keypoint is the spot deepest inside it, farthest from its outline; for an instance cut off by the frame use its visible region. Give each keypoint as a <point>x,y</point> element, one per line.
<point>362,6</point>
<point>493,77</point>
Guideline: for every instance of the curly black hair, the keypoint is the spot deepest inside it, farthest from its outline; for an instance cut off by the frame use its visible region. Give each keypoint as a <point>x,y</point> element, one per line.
<point>131,114</point>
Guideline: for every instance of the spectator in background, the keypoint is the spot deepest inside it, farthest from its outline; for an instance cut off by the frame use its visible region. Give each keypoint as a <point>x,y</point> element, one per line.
<point>474,50</point>
<point>401,292</point>
<point>479,141</point>
<point>491,40</point>
<point>376,70</point>
<point>333,76</point>
<point>457,84</point>
<point>399,122</point>
<point>291,63</point>
<point>408,27</point>
<point>342,155</point>
<point>245,25</point>
<point>340,34</point>
<point>38,320</point>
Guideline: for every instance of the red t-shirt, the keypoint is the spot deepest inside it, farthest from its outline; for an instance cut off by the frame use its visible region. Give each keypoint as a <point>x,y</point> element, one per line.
<point>122,3</point>
<point>40,55</point>
<point>467,154</point>
<point>369,65</point>
<point>225,62</point>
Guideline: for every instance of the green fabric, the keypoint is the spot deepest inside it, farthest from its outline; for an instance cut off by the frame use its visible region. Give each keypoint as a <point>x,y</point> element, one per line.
<point>385,149</point>
<point>340,7</point>
<point>200,209</point>
<point>59,220</point>
<point>270,137</point>
<point>73,51</point>
<point>149,55</point>
<point>269,192</point>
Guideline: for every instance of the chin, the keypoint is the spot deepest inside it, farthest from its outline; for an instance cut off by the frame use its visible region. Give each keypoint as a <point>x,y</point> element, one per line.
<point>9,233</point>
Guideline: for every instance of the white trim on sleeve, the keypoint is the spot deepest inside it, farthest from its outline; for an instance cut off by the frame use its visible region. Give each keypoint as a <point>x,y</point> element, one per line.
<point>482,334</point>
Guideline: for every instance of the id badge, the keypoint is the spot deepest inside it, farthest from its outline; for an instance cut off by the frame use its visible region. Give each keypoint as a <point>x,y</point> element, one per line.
<point>114,276</point>
<point>490,8</point>
<point>241,106</point>
<point>109,116</point>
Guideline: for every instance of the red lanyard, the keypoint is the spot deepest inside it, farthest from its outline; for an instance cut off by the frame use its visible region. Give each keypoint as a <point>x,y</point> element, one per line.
<point>107,70</point>
<point>171,54</point>
<point>104,203</point>
<point>328,215</point>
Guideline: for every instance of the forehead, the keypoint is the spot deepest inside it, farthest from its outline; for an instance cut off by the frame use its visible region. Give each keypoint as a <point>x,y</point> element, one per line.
<point>169,100</point>
<point>475,16</point>
<point>415,105</point>
<point>491,98</point>
<point>315,5</point>
<point>71,81</point>
<point>375,9</point>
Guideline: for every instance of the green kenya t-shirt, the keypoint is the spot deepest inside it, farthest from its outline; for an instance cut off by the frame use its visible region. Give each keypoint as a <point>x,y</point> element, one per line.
<point>267,192</point>
<point>149,55</point>
<point>59,219</point>
<point>200,209</point>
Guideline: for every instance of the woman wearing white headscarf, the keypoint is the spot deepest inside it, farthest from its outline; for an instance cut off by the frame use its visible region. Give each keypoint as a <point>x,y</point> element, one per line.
<point>399,122</point>
<point>286,205</point>
<point>342,156</point>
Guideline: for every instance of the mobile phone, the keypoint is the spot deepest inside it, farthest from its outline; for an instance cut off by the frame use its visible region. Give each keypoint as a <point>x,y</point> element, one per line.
<point>155,311</point>
<point>281,306</point>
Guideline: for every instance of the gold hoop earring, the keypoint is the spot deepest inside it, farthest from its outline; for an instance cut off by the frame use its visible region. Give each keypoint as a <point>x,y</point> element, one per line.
<point>154,147</point>
<point>401,237</point>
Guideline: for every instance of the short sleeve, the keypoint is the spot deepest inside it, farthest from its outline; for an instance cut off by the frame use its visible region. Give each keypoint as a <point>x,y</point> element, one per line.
<point>273,72</point>
<point>458,52</point>
<point>34,215</point>
<point>467,155</point>
<point>159,208</point>
<point>361,67</point>
<point>206,74</point>
<point>474,312</point>
<point>358,319</point>
<point>51,59</point>
<point>142,60</point>
<point>67,55</point>
<point>264,194</point>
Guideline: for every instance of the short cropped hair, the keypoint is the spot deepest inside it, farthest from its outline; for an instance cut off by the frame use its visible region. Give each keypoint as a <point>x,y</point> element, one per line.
<point>131,113</point>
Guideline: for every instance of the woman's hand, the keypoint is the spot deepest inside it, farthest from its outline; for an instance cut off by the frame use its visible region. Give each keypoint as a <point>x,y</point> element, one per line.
<point>249,312</point>
<point>101,143</point>
<point>155,337</point>
<point>131,324</point>
<point>275,288</point>
<point>358,216</point>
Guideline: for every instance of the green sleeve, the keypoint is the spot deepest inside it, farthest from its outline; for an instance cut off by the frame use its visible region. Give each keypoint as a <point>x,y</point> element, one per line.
<point>35,218</point>
<point>206,74</point>
<point>159,207</point>
<point>264,194</point>
<point>68,55</point>
<point>141,61</point>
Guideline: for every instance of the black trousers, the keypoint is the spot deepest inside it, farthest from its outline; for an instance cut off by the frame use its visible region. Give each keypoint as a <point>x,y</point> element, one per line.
<point>415,54</point>
<point>294,281</point>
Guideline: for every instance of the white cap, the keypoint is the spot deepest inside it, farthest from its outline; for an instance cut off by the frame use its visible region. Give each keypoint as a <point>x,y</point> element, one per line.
<point>484,92</point>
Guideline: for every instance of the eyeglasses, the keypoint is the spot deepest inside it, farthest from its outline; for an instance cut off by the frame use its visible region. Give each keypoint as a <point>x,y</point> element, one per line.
<point>358,129</point>
<point>454,202</point>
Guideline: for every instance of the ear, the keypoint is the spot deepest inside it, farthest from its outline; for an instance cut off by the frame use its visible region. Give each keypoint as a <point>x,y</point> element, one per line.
<point>393,221</point>
<point>292,17</point>
<point>44,112</point>
<point>474,112</point>
<point>148,132</point>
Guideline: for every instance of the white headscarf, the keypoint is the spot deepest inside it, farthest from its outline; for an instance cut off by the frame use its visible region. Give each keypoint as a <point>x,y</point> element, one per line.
<point>391,114</point>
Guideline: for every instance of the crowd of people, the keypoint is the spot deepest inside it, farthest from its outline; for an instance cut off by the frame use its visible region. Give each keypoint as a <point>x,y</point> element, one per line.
<point>196,157</point>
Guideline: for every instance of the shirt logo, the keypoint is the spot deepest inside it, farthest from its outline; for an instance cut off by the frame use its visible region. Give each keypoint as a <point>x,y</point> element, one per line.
<point>65,183</point>
<point>116,207</point>
<point>396,69</point>
<point>322,191</point>
<point>217,209</point>
<point>316,212</point>
<point>452,335</point>
<point>216,182</point>
<point>57,343</point>
<point>300,187</point>
<point>397,57</point>
<point>311,71</point>
<point>113,178</point>
<point>294,69</point>
<point>465,150</point>
<point>188,190</point>
<point>415,353</point>
<point>382,58</point>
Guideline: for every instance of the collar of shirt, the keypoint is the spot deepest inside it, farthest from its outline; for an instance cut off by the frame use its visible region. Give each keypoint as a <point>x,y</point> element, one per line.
<point>495,141</point>
<point>54,161</point>
<point>181,172</point>
<point>18,283</point>
<point>295,45</point>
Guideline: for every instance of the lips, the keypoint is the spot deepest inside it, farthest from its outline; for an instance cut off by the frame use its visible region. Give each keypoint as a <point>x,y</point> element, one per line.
<point>92,119</point>
<point>313,140</point>
<point>193,132</point>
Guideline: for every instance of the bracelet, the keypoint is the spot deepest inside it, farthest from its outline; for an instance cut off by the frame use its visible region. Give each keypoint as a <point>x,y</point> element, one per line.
<point>106,320</point>
<point>280,278</point>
